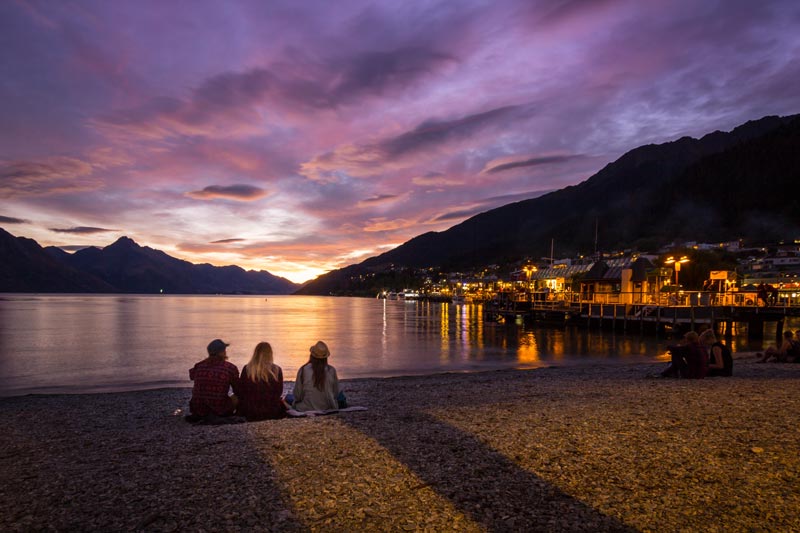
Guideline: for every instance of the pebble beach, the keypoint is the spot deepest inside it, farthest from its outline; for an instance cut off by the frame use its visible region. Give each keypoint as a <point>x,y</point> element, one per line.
<point>571,448</point>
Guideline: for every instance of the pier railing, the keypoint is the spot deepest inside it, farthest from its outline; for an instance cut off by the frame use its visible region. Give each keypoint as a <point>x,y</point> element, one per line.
<point>550,300</point>
<point>683,310</point>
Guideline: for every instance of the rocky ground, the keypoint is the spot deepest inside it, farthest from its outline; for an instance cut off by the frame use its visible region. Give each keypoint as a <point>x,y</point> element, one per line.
<point>580,448</point>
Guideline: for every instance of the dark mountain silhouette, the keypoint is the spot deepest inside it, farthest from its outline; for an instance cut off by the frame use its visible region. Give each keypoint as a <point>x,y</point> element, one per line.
<point>27,267</point>
<point>724,186</point>
<point>141,269</point>
<point>123,267</point>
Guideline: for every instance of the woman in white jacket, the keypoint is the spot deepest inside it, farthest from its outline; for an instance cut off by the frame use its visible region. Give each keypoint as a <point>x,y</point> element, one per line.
<point>317,385</point>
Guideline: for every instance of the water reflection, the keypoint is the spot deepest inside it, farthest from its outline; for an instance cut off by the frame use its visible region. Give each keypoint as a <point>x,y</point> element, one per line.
<point>79,343</point>
<point>528,352</point>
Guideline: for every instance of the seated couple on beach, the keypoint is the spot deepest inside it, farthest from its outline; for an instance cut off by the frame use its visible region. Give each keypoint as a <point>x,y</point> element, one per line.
<point>789,352</point>
<point>257,392</point>
<point>699,356</point>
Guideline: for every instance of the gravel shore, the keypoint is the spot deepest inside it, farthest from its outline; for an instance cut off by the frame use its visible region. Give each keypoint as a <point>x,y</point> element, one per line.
<point>578,448</point>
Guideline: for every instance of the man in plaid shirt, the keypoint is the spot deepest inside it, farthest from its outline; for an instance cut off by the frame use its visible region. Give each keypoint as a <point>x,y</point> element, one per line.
<point>213,377</point>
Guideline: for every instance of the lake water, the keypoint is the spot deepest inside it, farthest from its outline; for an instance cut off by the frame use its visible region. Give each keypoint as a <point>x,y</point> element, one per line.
<point>99,343</point>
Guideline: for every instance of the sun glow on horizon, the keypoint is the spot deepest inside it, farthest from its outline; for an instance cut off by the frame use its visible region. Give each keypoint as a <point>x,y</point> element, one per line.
<point>295,272</point>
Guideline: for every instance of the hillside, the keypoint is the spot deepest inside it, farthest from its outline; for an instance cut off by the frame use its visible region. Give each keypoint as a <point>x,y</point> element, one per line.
<point>27,267</point>
<point>740,184</point>
<point>140,269</point>
<point>123,267</point>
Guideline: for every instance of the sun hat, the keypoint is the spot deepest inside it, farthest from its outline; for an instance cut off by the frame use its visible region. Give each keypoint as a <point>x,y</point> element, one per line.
<point>216,346</point>
<point>320,350</point>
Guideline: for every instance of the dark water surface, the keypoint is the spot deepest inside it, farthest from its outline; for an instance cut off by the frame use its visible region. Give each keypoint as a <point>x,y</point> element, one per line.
<point>95,343</point>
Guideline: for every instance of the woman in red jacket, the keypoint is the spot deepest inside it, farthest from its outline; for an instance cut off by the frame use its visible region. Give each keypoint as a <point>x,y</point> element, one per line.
<point>261,386</point>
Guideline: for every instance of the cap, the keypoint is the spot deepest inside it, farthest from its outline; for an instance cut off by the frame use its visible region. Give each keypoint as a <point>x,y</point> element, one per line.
<point>217,346</point>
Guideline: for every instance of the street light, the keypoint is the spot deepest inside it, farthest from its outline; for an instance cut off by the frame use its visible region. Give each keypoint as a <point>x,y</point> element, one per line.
<point>529,269</point>
<point>677,262</point>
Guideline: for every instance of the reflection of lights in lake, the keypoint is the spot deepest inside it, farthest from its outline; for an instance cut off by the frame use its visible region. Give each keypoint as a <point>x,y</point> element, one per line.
<point>528,351</point>
<point>384,337</point>
<point>476,317</point>
<point>444,332</point>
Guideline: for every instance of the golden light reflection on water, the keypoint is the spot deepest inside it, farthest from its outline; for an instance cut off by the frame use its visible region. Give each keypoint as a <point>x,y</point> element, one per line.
<point>384,325</point>
<point>444,333</point>
<point>476,325</point>
<point>528,351</point>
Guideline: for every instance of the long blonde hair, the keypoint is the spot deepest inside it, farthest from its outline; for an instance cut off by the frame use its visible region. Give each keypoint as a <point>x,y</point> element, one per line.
<point>261,367</point>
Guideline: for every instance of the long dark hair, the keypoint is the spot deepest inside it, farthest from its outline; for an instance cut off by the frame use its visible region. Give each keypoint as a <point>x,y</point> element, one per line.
<point>319,367</point>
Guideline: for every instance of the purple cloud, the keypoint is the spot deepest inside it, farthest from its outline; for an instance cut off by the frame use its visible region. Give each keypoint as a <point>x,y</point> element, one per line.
<point>433,132</point>
<point>12,220</point>
<point>51,175</point>
<point>82,230</point>
<point>242,193</point>
<point>235,97</point>
<point>487,204</point>
<point>365,160</point>
<point>532,162</point>
<point>386,71</point>
<point>381,198</point>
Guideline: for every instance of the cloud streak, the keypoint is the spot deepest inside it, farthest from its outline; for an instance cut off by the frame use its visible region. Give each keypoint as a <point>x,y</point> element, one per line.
<point>429,136</point>
<point>532,162</point>
<point>51,175</point>
<point>241,193</point>
<point>82,230</point>
<point>13,220</point>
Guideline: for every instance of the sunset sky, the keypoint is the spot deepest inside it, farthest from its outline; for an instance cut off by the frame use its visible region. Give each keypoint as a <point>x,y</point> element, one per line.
<point>302,136</point>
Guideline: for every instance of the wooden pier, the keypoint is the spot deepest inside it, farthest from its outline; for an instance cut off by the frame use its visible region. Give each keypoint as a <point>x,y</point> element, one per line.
<point>644,317</point>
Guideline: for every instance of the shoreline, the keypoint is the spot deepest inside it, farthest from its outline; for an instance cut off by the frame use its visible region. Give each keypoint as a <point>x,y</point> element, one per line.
<point>184,384</point>
<point>187,384</point>
<point>561,448</point>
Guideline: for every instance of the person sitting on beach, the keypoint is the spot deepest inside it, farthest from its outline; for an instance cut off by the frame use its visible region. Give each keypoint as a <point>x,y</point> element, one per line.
<point>720,359</point>
<point>261,386</point>
<point>793,354</point>
<point>316,387</point>
<point>788,352</point>
<point>213,377</point>
<point>689,359</point>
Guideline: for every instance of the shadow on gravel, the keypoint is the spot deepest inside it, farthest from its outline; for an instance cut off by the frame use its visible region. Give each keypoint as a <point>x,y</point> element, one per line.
<point>130,470</point>
<point>479,481</point>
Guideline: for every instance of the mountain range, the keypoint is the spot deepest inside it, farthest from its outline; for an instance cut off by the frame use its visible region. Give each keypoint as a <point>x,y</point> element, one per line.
<point>122,267</point>
<point>724,186</point>
<point>742,184</point>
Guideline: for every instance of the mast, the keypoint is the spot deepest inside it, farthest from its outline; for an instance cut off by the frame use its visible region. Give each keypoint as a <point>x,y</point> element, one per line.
<point>596,233</point>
